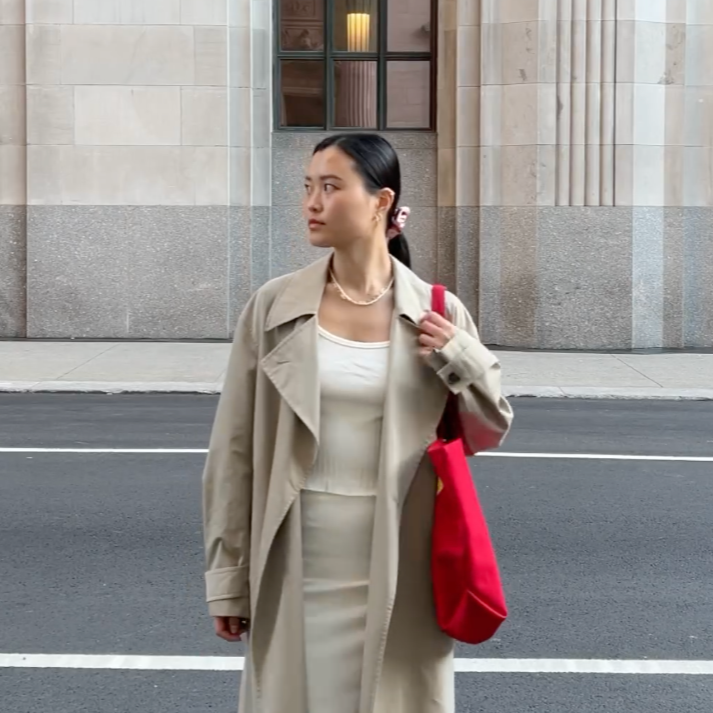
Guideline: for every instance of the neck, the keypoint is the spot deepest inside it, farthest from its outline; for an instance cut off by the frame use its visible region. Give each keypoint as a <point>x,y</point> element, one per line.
<point>363,270</point>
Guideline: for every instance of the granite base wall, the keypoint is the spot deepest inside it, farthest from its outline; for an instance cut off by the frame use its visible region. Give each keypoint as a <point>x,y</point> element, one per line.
<point>544,278</point>
<point>13,271</point>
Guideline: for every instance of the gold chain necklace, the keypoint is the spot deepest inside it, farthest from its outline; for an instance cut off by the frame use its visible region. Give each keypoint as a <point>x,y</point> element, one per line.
<point>359,303</point>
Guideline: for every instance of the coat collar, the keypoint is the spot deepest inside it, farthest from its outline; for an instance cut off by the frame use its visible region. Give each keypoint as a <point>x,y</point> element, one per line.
<point>303,292</point>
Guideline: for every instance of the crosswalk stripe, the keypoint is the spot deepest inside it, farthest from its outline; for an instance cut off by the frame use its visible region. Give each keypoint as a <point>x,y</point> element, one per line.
<point>462,665</point>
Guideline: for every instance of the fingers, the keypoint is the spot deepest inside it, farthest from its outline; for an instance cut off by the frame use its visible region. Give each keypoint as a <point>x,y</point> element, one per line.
<point>229,628</point>
<point>436,332</point>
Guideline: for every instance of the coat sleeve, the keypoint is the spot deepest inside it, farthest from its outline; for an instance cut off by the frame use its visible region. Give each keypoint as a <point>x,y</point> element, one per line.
<point>228,481</point>
<point>472,372</point>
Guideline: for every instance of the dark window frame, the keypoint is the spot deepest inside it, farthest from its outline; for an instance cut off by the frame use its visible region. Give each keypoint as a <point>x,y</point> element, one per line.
<point>328,56</point>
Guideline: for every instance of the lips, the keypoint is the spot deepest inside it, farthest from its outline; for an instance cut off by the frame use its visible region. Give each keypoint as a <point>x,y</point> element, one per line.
<point>315,223</point>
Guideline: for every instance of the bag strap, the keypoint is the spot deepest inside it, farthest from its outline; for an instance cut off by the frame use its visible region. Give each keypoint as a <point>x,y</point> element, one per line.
<point>449,427</point>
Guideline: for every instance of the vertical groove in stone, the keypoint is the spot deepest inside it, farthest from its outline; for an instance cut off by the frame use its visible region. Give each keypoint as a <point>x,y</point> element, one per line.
<point>564,101</point>
<point>593,104</point>
<point>579,104</point>
<point>608,105</point>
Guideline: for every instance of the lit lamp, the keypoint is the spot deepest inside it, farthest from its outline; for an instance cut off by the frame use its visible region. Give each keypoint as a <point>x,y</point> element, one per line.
<point>358,79</point>
<point>358,24</point>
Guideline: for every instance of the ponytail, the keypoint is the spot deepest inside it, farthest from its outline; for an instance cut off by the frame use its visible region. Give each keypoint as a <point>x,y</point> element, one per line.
<point>398,247</point>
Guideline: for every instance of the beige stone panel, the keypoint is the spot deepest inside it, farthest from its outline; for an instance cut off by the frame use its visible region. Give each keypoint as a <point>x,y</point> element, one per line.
<point>12,12</point>
<point>675,115</point>
<point>211,56</point>
<point>624,167</point>
<point>446,177</point>
<point>204,116</point>
<point>12,54</point>
<point>13,121</point>
<point>448,15</point>
<point>469,11</point>
<point>491,181</point>
<point>261,178</point>
<point>698,177</point>
<point>699,12</point>
<point>674,161</point>
<point>239,118</point>
<point>548,52</point>
<point>625,52</point>
<point>468,117</point>
<point>127,175</point>
<point>239,50</point>
<point>44,54</point>
<point>204,12</point>
<point>650,114</point>
<point>128,55</point>
<point>520,44</point>
<point>699,56</point>
<point>51,11</point>
<point>243,13</point>
<point>127,116</point>
<point>676,11</point>
<point>646,11</point>
<point>13,182</point>
<point>127,12</point>
<point>261,120</point>
<point>698,130</point>
<point>675,54</point>
<point>467,177</point>
<point>50,115</point>
<point>207,170</point>
<point>492,54</point>
<point>525,115</point>
<point>491,117</point>
<point>240,174</point>
<point>44,174</point>
<point>261,59</point>
<point>446,118</point>
<point>468,63</point>
<point>528,175</point>
<point>649,164</point>
<point>650,54</point>
<point>511,11</point>
<point>625,113</point>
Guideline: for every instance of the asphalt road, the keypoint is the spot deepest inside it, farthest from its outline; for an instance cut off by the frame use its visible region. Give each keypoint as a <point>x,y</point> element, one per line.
<point>603,559</point>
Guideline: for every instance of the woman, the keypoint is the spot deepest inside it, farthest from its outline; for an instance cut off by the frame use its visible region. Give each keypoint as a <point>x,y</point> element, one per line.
<point>318,493</point>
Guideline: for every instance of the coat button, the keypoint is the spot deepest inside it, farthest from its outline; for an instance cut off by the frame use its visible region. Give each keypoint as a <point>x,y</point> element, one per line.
<point>453,378</point>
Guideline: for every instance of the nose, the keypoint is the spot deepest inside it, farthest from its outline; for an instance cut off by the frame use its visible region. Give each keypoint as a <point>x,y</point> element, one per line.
<point>314,203</point>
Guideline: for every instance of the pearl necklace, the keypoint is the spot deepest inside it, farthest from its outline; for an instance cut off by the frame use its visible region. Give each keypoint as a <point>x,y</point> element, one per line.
<point>359,303</point>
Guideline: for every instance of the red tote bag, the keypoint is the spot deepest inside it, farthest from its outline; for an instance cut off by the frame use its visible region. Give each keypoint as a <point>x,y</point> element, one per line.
<point>468,593</point>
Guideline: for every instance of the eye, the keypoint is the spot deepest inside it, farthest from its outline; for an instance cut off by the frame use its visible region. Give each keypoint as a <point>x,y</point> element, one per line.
<point>329,187</point>
<point>308,188</point>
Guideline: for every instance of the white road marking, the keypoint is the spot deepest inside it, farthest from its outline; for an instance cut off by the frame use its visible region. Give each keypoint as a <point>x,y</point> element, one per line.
<point>495,454</point>
<point>236,663</point>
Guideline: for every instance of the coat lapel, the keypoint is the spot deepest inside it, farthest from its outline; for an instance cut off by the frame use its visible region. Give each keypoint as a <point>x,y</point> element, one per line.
<point>415,401</point>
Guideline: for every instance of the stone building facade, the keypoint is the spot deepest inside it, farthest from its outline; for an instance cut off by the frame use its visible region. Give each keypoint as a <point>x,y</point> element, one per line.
<point>566,193</point>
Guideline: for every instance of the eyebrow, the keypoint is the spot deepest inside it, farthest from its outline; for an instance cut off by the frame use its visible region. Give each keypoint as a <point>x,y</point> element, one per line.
<point>329,176</point>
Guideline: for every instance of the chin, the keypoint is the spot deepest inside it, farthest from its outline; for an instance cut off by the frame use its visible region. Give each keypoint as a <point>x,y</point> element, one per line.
<point>319,241</point>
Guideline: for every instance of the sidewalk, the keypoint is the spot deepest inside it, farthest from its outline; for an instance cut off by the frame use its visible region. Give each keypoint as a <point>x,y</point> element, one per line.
<point>155,367</point>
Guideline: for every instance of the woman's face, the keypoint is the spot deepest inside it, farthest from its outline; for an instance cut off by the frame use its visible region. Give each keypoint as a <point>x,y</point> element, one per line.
<point>338,208</point>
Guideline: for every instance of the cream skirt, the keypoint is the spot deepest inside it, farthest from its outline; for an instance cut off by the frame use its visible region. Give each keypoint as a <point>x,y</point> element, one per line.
<point>336,543</point>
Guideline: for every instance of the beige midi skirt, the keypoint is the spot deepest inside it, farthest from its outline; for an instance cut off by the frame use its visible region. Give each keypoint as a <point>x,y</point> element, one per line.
<point>337,533</point>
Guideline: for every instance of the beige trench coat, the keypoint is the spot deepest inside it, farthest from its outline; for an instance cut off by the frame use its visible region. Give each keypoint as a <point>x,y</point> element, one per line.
<point>264,441</point>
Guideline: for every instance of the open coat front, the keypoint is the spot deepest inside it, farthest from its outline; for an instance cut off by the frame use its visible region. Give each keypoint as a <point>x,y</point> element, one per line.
<point>264,442</point>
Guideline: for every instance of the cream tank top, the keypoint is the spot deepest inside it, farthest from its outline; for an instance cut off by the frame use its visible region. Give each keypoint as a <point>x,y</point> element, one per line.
<point>353,377</point>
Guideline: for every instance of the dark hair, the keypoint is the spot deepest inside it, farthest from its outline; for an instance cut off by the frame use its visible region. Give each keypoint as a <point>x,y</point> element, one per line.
<point>376,161</point>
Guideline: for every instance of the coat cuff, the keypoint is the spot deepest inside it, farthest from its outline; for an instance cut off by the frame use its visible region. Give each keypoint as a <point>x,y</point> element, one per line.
<point>237,606</point>
<point>227,583</point>
<point>462,362</point>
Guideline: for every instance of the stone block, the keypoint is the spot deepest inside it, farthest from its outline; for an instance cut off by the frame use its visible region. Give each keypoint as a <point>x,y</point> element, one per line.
<point>130,55</point>
<point>127,116</point>
<point>50,115</point>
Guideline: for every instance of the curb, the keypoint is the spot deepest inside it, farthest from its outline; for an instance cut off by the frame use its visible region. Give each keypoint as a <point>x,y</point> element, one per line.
<point>214,388</point>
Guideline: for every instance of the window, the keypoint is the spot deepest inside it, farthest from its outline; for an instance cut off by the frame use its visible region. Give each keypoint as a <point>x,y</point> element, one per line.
<point>355,64</point>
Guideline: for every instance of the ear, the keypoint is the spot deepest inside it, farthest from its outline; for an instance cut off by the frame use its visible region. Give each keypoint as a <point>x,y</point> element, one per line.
<point>385,199</point>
